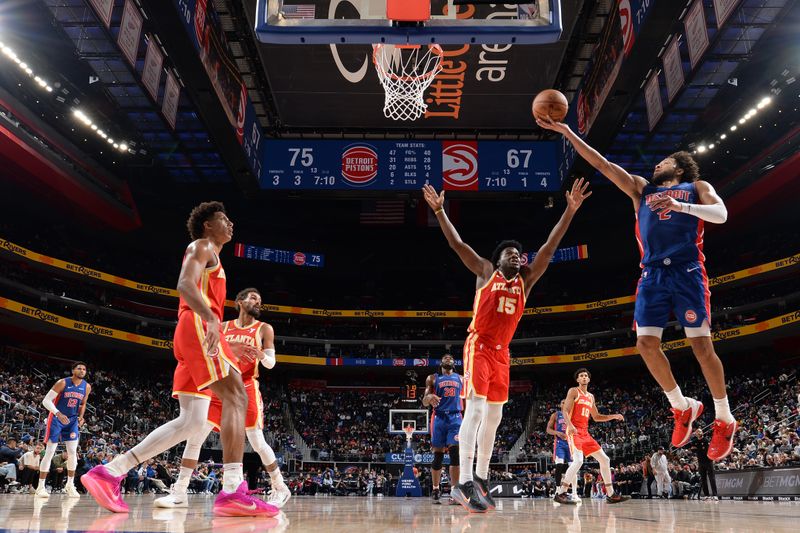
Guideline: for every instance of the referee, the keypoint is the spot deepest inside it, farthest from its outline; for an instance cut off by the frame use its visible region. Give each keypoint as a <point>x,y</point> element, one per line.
<point>705,465</point>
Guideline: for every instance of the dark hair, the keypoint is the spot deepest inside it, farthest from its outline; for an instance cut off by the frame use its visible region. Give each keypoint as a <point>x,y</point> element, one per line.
<point>242,294</point>
<point>582,370</point>
<point>502,246</point>
<point>200,215</point>
<point>78,363</point>
<point>685,161</point>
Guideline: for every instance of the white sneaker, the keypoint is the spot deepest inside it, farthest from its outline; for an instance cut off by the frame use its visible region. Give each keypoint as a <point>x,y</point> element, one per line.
<point>41,492</point>
<point>279,495</point>
<point>173,501</point>
<point>71,491</point>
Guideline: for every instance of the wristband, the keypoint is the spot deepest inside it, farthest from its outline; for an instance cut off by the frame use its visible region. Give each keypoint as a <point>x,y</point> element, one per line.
<point>440,210</point>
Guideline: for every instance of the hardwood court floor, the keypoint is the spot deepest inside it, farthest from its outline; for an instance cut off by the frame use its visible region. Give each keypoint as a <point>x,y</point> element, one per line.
<point>378,515</point>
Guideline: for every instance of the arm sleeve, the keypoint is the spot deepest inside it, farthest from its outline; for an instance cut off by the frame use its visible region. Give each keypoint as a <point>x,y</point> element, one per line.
<point>716,213</point>
<point>269,358</point>
<point>48,401</point>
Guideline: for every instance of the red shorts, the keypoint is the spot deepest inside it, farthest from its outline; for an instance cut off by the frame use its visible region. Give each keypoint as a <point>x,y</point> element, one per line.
<point>255,408</point>
<point>197,369</point>
<point>486,370</point>
<point>583,442</point>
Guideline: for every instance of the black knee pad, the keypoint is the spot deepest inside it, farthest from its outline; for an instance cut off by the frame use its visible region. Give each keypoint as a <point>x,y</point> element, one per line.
<point>438,459</point>
<point>454,455</point>
<point>562,468</point>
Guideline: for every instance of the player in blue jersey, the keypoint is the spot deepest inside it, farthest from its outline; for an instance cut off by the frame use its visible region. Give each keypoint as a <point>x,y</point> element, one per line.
<point>557,427</point>
<point>443,393</point>
<point>671,209</point>
<point>66,402</point>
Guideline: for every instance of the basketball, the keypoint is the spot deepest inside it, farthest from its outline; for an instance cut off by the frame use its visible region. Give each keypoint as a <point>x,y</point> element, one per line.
<point>550,103</point>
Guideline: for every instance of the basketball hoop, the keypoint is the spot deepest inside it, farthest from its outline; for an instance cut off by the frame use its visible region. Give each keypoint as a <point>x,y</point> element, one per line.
<point>405,71</point>
<point>409,431</point>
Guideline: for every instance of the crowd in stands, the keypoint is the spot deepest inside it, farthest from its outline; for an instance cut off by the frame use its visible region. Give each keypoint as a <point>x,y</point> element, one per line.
<point>765,403</point>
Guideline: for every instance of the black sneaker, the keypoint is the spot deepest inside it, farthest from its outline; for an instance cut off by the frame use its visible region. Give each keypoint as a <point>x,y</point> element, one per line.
<point>482,486</point>
<point>564,498</point>
<point>465,494</point>
<point>617,498</point>
<point>436,495</point>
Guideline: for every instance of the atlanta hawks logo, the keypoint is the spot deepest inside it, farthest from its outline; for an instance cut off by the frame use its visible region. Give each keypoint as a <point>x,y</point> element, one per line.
<point>460,165</point>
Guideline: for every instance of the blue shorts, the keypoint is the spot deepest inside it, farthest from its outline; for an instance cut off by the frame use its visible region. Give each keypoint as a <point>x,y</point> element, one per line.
<point>58,432</point>
<point>682,289</point>
<point>444,429</point>
<point>561,451</point>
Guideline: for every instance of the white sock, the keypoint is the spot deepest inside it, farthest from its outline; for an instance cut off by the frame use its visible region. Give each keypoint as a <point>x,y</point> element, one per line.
<point>486,435</point>
<point>436,487</point>
<point>41,483</point>
<point>561,489</point>
<point>609,489</point>
<point>182,485</point>
<point>232,476</point>
<point>722,410</point>
<point>467,436</point>
<point>121,464</point>
<point>71,480</point>
<point>677,399</point>
<point>276,477</point>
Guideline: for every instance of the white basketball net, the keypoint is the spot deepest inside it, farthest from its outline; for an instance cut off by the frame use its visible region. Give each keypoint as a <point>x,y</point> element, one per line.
<point>405,72</point>
<point>409,431</point>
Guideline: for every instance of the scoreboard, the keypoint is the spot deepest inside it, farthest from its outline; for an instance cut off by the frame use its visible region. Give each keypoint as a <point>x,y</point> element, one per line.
<point>409,164</point>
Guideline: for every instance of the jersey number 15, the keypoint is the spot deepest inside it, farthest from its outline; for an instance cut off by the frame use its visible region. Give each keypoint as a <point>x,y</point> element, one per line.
<point>507,305</point>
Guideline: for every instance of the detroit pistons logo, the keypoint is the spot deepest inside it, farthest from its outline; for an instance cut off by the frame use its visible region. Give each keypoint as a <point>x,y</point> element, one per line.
<point>360,165</point>
<point>299,259</point>
<point>73,435</point>
<point>626,23</point>
<point>690,316</point>
<point>460,165</point>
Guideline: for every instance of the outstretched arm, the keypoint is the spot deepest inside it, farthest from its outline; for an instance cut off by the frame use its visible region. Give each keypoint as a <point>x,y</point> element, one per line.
<point>478,265</point>
<point>711,207</point>
<point>597,417</point>
<point>575,198</point>
<point>629,184</point>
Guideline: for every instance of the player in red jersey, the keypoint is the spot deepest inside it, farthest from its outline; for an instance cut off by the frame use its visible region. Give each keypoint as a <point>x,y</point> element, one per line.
<point>205,361</point>
<point>503,286</point>
<point>579,405</point>
<point>249,331</point>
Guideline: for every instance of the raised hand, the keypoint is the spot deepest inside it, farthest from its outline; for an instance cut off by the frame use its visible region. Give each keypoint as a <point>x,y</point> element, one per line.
<point>547,123</point>
<point>435,201</point>
<point>577,194</point>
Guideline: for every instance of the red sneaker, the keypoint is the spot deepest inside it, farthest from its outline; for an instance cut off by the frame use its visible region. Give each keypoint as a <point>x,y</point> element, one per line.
<point>722,440</point>
<point>682,431</point>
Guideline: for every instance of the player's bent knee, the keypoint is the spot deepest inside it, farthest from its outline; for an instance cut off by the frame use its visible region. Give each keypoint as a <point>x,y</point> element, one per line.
<point>438,460</point>
<point>648,344</point>
<point>453,451</point>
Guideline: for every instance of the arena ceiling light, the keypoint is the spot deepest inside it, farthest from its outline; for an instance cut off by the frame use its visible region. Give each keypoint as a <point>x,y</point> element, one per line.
<point>84,118</point>
<point>10,54</point>
<point>764,102</point>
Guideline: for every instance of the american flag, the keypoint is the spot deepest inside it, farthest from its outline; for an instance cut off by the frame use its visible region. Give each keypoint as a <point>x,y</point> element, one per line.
<point>383,212</point>
<point>300,11</point>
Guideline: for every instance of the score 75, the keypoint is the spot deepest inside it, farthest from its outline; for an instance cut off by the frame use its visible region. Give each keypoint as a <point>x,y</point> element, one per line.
<point>306,156</point>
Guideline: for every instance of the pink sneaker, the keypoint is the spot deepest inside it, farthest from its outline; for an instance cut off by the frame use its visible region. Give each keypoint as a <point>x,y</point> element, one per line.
<point>240,504</point>
<point>104,488</point>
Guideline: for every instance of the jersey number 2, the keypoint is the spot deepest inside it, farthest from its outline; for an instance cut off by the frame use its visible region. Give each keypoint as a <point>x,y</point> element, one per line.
<point>507,305</point>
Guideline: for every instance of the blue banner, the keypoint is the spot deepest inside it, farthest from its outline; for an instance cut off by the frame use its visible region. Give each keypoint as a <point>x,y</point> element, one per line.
<point>347,361</point>
<point>562,255</point>
<point>408,165</point>
<point>273,255</point>
<point>204,27</point>
<point>419,458</point>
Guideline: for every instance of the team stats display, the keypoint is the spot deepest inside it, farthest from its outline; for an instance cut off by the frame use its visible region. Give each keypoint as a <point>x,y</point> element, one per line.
<point>408,165</point>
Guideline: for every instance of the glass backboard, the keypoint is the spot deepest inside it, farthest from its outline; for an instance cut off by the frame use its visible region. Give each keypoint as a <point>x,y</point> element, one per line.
<point>365,22</point>
<point>416,418</point>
